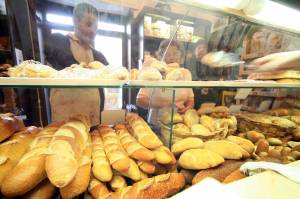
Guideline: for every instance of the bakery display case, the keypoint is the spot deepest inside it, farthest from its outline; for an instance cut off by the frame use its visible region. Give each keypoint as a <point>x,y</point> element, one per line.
<point>149,125</point>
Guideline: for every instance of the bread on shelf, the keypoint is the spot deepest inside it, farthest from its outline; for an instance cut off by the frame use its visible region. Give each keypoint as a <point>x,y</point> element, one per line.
<point>44,190</point>
<point>164,156</point>
<point>30,170</point>
<point>9,125</point>
<point>147,166</point>
<point>134,149</point>
<point>81,180</point>
<point>133,172</point>
<point>13,149</point>
<point>98,189</point>
<point>65,151</point>
<point>190,118</point>
<point>116,155</point>
<point>101,167</point>
<point>117,183</point>
<point>186,144</point>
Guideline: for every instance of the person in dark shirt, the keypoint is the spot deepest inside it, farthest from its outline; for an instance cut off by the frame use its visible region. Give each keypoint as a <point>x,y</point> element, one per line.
<point>62,51</point>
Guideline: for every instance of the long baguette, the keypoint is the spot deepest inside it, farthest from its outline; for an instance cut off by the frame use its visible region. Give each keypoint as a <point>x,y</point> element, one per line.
<point>116,155</point>
<point>98,189</point>
<point>9,125</point>
<point>43,191</point>
<point>117,183</point>
<point>12,150</point>
<point>132,147</point>
<point>65,151</point>
<point>143,133</point>
<point>30,170</point>
<point>133,171</point>
<point>147,167</point>
<point>164,156</point>
<point>101,167</point>
<point>158,187</point>
<point>82,178</point>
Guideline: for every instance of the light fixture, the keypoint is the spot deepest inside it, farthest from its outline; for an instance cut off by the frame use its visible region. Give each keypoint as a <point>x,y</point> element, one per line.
<point>278,15</point>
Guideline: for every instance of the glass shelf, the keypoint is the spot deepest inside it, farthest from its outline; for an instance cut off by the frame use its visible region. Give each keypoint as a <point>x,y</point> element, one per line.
<point>95,83</point>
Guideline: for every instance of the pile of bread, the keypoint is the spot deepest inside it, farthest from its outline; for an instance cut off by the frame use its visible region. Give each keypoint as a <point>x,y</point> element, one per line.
<point>286,76</point>
<point>93,70</point>
<point>34,162</point>
<point>155,70</point>
<point>212,123</point>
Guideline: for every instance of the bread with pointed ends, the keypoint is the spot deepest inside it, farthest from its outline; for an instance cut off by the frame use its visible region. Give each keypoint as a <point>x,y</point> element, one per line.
<point>158,187</point>
<point>163,155</point>
<point>191,117</point>
<point>147,166</point>
<point>219,173</point>
<point>98,189</point>
<point>13,149</point>
<point>30,170</point>
<point>166,118</point>
<point>186,144</point>
<point>197,159</point>
<point>226,149</point>
<point>65,151</point>
<point>234,176</point>
<point>142,132</point>
<point>242,142</point>
<point>201,131</point>
<point>43,191</point>
<point>134,149</point>
<point>82,178</point>
<point>117,183</point>
<point>208,122</point>
<point>116,155</point>
<point>9,125</point>
<point>296,119</point>
<point>133,171</point>
<point>101,166</point>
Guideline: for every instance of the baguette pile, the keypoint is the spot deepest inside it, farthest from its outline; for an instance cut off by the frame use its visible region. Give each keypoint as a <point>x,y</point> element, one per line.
<point>126,161</point>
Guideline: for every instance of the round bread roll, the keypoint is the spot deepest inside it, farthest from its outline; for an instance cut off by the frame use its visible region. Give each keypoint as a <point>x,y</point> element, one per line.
<point>201,131</point>
<point>180,74</point>
<point>181,130</point>
<point>149,73</point>
<point>96,65</point>
<point>242,142</point>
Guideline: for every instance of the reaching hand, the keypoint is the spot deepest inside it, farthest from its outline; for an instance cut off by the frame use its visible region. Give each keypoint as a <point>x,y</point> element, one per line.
<point>277,61</point>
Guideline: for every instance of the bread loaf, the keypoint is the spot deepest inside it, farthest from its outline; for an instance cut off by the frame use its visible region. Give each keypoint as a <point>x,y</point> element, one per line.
<point>208,122</point>
<point>133,172</point>
<point>191,117</point>
<point>30,170</point>
<point>242,142</point>
<point>219,173</point>
<point>12,150</point>
<point>196,159</point>
<point>166,118</point>
<point>117,183</point>
<point>147,167</point>
<point>101,166</point>
<point>134,149</point>
<point>82,178</point>
<point>234,176</point>
<point>164,156</point>
<point>201,131</point>
<point>44,190</point>
<point>186,144</point>
<point>158,187</point>
<point>116,155</point>
<point>98,189</point>
<point>226,149</point>
<point>9,125</point>
<point>65,151</point>
<point>143,133</point>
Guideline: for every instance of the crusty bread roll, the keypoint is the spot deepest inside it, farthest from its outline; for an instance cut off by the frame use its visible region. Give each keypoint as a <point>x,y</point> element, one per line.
<point>226,149</point>
<point>179,74</point>
<point>101,166</point>
<point>98,189</point>
<point>201,131</point>
<point>65,151</point>
<point>9,125</point>
<point>133,171</point>
<point>116,155</point>
<point>164,156</point>
<point>143,133</point>
<point>12,150</point>
<point>186,144</point>
<point>242,142</point>
<point>44,190</point>
<point>181,130</point>
<point>208,122</point>
<point>219,173</point>
<point>296,119</point>
<point>196,159</point>
<point>117,183</point>
<point>234,176</point>
<point>82,178</point>
<point>166,118</point>
<point>158,187</point>
<point>134,149</point>
<point>191,117</point>
<point>147,166</point>
<point>30,170</point>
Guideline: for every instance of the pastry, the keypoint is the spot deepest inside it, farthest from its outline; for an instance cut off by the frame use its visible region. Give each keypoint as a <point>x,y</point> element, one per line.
<point>186,144</point>
<point>133,171</point>
<point>147,167</point>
